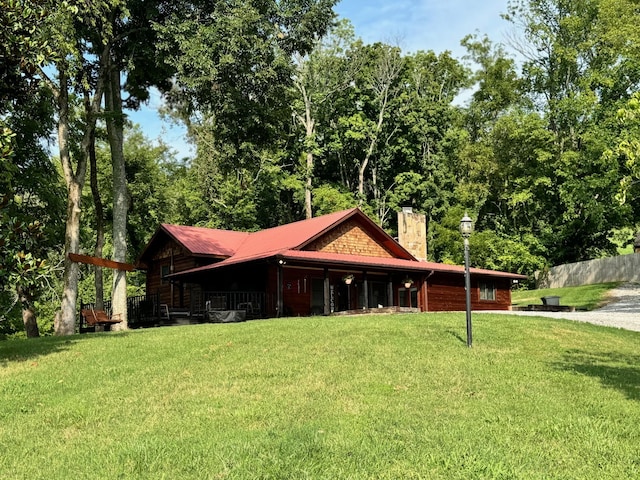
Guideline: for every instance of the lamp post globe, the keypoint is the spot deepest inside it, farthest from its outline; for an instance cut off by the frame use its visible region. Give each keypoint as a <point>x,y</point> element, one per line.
<point>466,226</point>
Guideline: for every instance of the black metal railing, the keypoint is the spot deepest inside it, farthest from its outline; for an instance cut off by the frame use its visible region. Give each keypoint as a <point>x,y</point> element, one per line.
<point>147,311</point>
<point>256,304</point>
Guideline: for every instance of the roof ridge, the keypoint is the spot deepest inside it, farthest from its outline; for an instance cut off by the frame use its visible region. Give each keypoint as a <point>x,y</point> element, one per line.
<point>267,232</point>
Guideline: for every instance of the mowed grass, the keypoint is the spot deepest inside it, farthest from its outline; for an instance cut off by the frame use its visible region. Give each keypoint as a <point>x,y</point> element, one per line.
<point>585,297</point>
<point>362,397</point>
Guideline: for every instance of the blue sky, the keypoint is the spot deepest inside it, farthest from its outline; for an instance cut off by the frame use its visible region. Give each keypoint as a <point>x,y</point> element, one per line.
<point>436,25</point>
<point>414,25</point>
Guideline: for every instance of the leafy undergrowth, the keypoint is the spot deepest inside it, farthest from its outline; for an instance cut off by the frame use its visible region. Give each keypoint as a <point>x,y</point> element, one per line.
<point>363,397</point>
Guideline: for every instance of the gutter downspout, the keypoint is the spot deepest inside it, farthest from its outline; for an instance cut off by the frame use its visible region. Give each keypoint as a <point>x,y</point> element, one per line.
<point>425,286</point>
<point>279,289</point>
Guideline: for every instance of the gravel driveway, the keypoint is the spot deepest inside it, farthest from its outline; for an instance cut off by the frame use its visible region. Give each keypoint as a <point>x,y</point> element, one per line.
<point>622,312</point>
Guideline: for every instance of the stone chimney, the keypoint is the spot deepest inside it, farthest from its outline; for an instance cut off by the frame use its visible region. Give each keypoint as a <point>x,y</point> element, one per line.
<point>412,232</point>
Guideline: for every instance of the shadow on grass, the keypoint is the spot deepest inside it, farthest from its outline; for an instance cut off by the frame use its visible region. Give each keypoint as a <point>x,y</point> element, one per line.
<point>613,369</point>
<point>458,336</point>
<point>28,349</point>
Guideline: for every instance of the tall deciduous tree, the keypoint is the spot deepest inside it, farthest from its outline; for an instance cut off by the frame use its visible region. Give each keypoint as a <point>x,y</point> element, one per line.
<point>420,159</point>
<point>626,150</point>
<point>120,43</point>
<point>77,73</point>
<point>235,68</point>
<point>319,77</point>
<point>577,76</point>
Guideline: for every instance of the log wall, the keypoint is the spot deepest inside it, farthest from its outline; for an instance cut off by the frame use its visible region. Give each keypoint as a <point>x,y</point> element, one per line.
<point>445,292</point>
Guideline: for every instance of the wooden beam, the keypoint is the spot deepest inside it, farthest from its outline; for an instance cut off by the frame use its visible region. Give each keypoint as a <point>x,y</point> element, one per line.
<point>101,262</point>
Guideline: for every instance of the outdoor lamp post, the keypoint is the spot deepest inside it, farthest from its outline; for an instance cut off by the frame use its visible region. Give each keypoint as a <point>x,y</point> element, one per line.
<point>466,228</point>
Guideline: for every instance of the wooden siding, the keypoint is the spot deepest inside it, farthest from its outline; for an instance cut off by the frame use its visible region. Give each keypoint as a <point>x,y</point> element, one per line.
<point>174,295</point>
<point>442,291</point>
<point>446,293</point>
<point>350,239</point>
<point>296,290</point>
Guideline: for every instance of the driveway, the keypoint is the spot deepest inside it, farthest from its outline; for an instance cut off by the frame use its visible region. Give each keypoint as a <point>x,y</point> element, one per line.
<point>622,312</point>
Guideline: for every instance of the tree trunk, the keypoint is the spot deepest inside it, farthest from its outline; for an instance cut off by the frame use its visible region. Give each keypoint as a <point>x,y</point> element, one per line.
<point>115,131</point>
<point>30,323</point>
<point>97,251</point>
<point>29,315</point>
<point>309,123</point>
<point>308,185</point>
<point>65,320</point>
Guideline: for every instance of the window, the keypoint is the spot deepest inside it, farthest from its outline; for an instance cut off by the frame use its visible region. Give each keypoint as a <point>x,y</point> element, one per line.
<point>487,291</point>
<point>404,301</point>
<point>377,294</point>
<point>164,271</point>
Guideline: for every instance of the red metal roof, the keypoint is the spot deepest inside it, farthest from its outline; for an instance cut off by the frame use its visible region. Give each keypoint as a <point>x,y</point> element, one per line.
<point>290,236</point>
<point>286,242</point>
<point>227,243</point>
<point>206,241</point>
<point>201,241</point>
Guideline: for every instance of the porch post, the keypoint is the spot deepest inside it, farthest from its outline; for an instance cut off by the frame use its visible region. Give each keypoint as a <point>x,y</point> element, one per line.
<point>280,300</point>
<point>327,293</point>
<point>365,286</point>
<point>390,291</point>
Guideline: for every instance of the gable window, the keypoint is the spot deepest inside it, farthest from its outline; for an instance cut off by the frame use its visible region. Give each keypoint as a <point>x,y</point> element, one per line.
<point>487,291</point>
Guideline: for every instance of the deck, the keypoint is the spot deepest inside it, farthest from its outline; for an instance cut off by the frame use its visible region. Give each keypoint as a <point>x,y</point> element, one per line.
<point>146,311</point>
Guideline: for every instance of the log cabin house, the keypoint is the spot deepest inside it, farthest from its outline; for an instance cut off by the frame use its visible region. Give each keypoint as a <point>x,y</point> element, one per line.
<point>340,262</point>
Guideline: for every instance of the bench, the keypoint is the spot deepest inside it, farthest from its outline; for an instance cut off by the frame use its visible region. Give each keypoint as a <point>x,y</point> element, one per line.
<point>99,317</point>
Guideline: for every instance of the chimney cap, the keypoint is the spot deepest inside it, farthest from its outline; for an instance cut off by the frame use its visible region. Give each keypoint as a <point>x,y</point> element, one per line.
<point>407,209</point>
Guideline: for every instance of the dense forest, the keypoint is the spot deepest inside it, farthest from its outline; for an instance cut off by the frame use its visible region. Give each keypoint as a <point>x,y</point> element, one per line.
<point>292,116</point>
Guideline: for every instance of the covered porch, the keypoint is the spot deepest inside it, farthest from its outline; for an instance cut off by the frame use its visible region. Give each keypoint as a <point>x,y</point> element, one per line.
<point>300,287</point>
<point>145,311</point>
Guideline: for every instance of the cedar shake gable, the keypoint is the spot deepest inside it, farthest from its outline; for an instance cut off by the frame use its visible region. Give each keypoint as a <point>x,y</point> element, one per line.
<point>349,232</point>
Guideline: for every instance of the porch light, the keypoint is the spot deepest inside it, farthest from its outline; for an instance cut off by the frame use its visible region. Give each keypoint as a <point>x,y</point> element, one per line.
<point>407,282</point>
<point>466,228</point>
<point>348,279</point>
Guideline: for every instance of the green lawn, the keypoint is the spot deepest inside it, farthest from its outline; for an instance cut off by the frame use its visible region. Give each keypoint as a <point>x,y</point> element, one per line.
<point>585,297</point>
<point>363,397</point>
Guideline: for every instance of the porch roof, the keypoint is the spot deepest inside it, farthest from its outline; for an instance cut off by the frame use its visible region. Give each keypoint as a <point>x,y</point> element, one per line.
<point>336,260</point>
<point>390,263</point>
